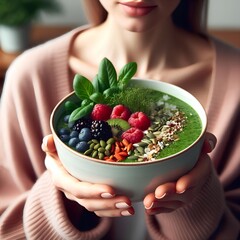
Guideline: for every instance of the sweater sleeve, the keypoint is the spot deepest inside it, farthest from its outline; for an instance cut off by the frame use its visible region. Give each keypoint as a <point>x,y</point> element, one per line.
<point>207,217</point>
<point>40,213</point>
<point>30,206</point>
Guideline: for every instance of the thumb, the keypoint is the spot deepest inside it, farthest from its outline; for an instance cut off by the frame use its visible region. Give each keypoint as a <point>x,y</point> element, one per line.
<point>210,142</point>
<point>197,176</point>
<point>48,144</point>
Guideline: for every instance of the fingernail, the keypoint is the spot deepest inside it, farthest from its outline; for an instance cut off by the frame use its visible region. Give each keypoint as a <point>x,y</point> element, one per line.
<point>45,141</point>
<point>126,213</point>
<point>107,195</point>
<point>211,143</point>
<point>181,192</point>
<point>149,206</point>
<point>161,197</point>
<point>122,205</point>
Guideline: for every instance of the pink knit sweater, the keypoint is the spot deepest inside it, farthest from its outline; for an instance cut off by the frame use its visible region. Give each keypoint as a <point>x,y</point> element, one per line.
<point>30,205</point>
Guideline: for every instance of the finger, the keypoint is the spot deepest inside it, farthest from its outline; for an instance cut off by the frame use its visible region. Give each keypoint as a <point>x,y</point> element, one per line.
<point>209,143</point>
<point>115,213</point>
<point>48,144</point>
<point>161,191</point>
<point>155,211</point>
<point>92,205</point>
<point>67,183</point>
<point>148,200</point>
<point>197,176</point>
<point>165,189</point>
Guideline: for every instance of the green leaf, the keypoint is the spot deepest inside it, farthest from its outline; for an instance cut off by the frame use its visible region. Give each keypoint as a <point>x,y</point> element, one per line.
<point>107,74</point>
<point>70,106</point>
<point>83,87</point>
<point>86,102</point>
<point>111,91</point>
<point>96,84</point>
<point>97,97</point>
<point>81,112</point>
<point>126,73</point>
<point>21,12</point>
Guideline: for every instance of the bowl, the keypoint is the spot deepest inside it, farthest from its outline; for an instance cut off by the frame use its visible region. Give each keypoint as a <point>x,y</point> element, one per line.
<point>134,179</point>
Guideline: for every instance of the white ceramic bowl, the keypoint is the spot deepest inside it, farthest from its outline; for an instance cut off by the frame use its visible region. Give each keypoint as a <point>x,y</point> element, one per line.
<point>132,179</point>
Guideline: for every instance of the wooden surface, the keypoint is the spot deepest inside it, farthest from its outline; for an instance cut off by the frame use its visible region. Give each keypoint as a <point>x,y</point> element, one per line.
<point>230,36</point>
<point>41,34</point>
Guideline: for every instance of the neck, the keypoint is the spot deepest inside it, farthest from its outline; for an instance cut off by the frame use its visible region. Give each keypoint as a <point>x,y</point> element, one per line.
<point>149,49</point>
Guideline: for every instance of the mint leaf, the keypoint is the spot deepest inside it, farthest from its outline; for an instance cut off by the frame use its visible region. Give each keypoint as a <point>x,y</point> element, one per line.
<point>126,73</point>
<point>111,91</point>
<point>81,112</point>
<point>83,87</point>
<point>107,74</point>
<point>97,97</point>
<point>96,84</point>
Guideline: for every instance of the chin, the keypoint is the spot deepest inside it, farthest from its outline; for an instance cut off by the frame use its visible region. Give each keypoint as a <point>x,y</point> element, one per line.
<point>137,27</point>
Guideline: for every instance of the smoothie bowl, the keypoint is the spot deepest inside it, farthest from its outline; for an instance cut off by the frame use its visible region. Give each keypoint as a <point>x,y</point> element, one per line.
<point>133,134</point>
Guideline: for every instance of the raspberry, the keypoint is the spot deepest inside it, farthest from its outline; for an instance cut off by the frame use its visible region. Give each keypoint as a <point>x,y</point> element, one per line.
<point>101,112</point>
<point>139,120</point>
<point>133,135</point>
<point>120,111</point>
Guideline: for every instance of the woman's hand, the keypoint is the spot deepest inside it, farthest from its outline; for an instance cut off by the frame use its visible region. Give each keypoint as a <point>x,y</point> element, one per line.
<point>97,198</point>
<point>173,195</point>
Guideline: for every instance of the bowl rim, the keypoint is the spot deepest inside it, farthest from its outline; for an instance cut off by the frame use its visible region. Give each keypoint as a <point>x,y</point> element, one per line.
<point>130,163</point>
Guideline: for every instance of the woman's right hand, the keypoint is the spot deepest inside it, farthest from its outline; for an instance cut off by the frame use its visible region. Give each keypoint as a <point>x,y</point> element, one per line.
<point>97,198</point>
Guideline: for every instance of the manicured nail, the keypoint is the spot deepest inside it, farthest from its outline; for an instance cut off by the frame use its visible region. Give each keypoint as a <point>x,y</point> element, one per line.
<point>161,197</point>
<point>211,143</point>
<point>126,213</point>
<point>107,195</point>
<point>149,206</point>
<point>122,205</point>
<point>45,141</point>
<point>181,192</point>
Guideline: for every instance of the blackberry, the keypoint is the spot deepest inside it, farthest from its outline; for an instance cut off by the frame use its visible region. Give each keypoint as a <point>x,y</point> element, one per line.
<point>82,123</point>
<point>101,130</point>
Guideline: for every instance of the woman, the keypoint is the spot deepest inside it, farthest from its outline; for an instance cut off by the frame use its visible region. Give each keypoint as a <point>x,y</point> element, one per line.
<point>167,40</point>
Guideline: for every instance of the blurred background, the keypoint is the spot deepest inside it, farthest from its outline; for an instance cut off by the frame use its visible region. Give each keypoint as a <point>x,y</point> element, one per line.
<point>52,20</point>
<point>221,14</point>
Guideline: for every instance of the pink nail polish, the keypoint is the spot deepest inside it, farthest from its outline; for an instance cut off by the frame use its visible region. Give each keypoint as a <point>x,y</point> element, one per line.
<point>45,141</point>
<point>161,197</point>
<point>211,143</point>
<point>126,213</point>
<point>122,205</point>
<point>149,206</point>
<point>107,195</point>
<point>183,191</point>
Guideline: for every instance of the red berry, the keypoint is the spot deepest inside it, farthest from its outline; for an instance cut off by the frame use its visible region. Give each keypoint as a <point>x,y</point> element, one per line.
<point>101,112</point>
<point>121,111</point>
<point>139,120</point>
<point>133,135</point>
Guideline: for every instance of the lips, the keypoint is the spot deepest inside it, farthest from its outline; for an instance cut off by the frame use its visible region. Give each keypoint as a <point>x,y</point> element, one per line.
<point>137,9</point>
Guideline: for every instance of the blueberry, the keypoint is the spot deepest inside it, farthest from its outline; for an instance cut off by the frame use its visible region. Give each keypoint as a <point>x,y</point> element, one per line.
<point>71,124</point>
<point>64,137</point>
<point>66,118</point>
<point>85,135</point>
<point>64,131</point>
<point>73,142</point>
<point>74,134</point>
<point>82,146</point>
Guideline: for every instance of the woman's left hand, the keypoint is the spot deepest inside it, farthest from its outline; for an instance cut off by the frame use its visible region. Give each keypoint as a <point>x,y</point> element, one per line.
<point>173,195</point>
